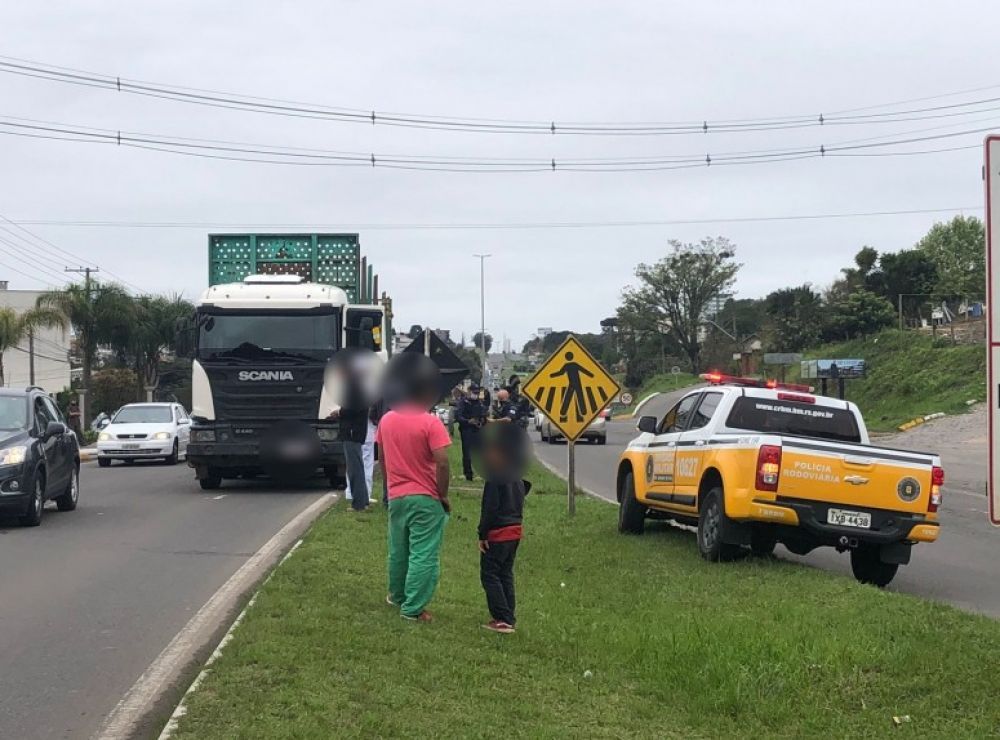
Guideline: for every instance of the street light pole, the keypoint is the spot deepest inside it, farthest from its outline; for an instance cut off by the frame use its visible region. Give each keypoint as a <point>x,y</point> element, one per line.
<point>482,310</point>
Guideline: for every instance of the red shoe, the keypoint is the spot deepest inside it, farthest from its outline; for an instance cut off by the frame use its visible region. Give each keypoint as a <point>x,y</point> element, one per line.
<point>424,616</point>
<point>500,627</point>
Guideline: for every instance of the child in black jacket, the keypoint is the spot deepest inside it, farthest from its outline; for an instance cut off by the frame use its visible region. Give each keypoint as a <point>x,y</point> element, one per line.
<point>504,454</point>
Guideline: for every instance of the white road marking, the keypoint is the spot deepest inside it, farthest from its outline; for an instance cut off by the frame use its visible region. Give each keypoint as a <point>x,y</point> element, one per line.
<point>217,498</point>
<point>165,669</point>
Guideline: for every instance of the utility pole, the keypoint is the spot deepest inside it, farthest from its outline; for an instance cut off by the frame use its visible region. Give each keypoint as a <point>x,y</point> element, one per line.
<point>482,310</point>
<point>31,356</point>
<point>82,392</point>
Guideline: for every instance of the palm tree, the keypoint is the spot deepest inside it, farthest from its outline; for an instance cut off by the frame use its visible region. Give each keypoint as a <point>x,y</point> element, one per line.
<point>154,332</point>
<point>98,314</point>
<point>15,327</point>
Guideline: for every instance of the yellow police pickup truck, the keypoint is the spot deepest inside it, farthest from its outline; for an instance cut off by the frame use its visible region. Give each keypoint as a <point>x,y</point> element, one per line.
<point>754,463</point>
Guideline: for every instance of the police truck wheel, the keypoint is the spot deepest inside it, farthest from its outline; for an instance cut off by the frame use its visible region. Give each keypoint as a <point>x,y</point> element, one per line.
<point>631,514</point>
<point>867,565</point>
<point>211,481</point>
<point>711,520</point>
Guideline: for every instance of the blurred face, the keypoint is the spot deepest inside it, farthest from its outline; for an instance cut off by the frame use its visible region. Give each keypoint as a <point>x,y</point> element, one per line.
<point>503,396</point>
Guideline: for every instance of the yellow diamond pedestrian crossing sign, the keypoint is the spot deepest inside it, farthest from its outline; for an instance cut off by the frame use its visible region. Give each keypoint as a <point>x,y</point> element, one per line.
<point>571,388</point>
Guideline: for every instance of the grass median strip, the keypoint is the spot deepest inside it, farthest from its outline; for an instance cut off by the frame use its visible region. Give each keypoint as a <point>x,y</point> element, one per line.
<point>617,637</point>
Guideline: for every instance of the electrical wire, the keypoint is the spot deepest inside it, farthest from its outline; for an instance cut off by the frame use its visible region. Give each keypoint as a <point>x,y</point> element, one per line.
<point>337,227</point>
<point>47,246</point>
<point>279,154</point>
<point>277,106</point>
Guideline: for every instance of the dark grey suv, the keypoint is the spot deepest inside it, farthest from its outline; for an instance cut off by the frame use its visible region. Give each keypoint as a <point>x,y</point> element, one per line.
<point>39,456</point>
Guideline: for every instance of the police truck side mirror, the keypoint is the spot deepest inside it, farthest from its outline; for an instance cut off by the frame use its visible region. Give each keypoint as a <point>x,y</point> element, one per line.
<point>647,424</point>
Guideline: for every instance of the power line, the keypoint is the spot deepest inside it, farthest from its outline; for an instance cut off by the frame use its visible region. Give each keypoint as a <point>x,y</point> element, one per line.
<point>527,225</point>
<point>277,106</point>
<point>283,155</point>
<point>42,244</point>
<point>29,262</point>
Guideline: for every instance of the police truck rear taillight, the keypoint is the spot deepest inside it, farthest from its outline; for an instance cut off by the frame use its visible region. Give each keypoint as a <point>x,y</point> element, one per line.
<point>937,480</point>
<point>768,467</point>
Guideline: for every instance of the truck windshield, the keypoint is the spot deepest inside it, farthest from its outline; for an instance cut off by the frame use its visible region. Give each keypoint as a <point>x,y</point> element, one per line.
<point>281,337</point>
<point>794,419</point>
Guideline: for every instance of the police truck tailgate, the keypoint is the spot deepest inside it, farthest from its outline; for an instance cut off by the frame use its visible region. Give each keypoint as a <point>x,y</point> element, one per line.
<point>855,475</point>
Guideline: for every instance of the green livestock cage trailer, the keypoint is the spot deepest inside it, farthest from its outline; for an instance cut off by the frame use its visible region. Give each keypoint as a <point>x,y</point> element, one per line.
<point>332,259</point>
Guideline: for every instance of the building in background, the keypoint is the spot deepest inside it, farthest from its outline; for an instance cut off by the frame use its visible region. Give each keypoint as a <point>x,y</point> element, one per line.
<point>51,349</point>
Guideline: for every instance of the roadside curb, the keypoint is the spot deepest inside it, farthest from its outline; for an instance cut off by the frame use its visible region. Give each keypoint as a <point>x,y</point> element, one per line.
<point>138,707</point>
<point>559,474</point>
<point>906,426</point>
<point>181,709</point>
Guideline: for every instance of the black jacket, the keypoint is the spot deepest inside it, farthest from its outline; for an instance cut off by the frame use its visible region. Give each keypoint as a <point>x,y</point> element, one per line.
<point>503,505</point>
<point>470,409</point>
<point>353,425</point>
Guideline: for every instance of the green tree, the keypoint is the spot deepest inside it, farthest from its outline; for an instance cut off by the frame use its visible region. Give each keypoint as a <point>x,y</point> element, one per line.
<point>98,314</point>
<point>958,250</point>
<point>856,277</point>
<point>477,341</point>
<point>16,327</point>
<point>860,314</point>
<point>113,388</point>
<point>910,274</point>
<point>673,293</point>
<point>794,318</point>
<point>152,333</point>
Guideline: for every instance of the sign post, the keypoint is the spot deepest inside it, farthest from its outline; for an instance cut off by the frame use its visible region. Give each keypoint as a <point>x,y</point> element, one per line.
<point>991,175</point>
<point>571,389</point>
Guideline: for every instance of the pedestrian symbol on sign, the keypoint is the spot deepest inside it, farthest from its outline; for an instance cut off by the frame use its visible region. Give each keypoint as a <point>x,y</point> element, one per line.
<point>571,389</point>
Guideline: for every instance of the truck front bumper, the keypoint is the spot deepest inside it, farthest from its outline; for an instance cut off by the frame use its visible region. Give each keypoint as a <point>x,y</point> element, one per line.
<point>223,447</point>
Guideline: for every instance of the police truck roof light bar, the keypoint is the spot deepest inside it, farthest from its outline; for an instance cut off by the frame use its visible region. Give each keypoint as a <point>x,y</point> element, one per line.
<point>720,379</point>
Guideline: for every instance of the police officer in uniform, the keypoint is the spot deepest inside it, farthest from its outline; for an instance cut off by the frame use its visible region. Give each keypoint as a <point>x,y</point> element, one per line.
<point>520,402</point>
<point>471,414</point>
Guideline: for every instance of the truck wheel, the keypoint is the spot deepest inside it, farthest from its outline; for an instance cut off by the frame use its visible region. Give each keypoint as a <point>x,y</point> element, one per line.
<point>211,481</point>
<point>762,543</point>
<point>867,565</point>
<point>631,514</point>
<point>711,519</point>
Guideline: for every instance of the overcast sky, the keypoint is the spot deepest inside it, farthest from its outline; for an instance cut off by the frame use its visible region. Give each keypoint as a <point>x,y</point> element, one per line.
<point>583,61</point>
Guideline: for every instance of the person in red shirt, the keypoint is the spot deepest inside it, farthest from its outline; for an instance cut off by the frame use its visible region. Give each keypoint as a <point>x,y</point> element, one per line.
<point>413,444</point>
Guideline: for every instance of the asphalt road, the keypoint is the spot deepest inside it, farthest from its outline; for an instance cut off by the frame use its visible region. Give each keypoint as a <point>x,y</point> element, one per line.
<point>960,568</point>
<point>92,596</point>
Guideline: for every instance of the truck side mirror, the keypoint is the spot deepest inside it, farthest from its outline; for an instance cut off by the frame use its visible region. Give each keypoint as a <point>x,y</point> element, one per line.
<point>647,424</point>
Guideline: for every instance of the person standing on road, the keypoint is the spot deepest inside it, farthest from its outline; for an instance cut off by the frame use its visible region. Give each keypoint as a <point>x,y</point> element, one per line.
<point>414,447</point>
<point>73,417</point>
<point>471,414</point>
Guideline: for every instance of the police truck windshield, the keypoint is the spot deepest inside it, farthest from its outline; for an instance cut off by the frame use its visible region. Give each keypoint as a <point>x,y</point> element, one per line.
<point>272,336</point>
<point>794,419</point>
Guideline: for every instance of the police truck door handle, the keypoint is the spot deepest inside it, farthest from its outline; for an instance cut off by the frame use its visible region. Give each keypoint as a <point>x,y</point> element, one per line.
<point>700,443</point>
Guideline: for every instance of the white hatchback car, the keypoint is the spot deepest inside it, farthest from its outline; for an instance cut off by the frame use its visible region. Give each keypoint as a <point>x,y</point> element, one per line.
<point>145,431</point>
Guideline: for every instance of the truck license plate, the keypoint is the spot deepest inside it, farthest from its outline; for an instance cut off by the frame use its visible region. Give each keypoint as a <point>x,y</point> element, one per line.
<point>847,518</point>
<point>130,446</point>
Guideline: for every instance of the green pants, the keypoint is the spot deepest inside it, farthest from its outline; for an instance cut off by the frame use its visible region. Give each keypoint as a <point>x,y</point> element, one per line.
<point>416,526</point>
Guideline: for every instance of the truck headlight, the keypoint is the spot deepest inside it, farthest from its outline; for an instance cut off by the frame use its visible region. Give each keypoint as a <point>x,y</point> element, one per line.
<point>103,437</point>
<point>13,455</point>
<point>161,435</point>
<point>326,434</point>
<point>202,435</point>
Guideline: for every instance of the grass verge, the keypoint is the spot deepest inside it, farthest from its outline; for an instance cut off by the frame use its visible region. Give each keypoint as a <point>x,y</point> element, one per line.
<point>618,637</point>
